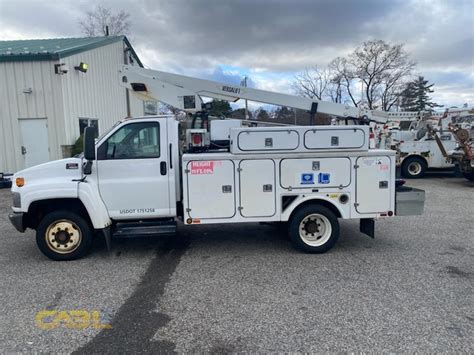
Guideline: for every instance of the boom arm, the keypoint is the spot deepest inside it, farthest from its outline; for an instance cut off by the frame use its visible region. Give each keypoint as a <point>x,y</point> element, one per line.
<point>185,93</point>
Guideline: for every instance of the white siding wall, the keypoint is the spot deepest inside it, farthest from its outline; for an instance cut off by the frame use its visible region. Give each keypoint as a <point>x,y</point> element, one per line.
<point>60,98</point>
<point>44,101</point>
<point>96,94</point>
<point>136,106</point>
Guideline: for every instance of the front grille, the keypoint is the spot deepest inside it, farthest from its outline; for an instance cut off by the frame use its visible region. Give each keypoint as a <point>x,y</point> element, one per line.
<point>16,200</point>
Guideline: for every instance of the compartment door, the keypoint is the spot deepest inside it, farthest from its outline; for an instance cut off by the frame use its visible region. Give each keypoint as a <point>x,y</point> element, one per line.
<point>268,140</point>
<point>257,188</point>
<point>373,184</point>
<point>354,138</point>
<point>315,173</point>
<point>211,189</point>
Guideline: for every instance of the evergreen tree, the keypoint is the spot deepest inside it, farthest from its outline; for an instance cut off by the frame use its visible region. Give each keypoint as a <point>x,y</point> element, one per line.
<point>240,114</point>
<point>415,96</point>
<point>262,115</point>
<point>220,108</point>
<point>284,114</point>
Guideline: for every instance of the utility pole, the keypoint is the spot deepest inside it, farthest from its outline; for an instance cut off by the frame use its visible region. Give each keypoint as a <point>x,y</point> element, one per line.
<point>244,84</point>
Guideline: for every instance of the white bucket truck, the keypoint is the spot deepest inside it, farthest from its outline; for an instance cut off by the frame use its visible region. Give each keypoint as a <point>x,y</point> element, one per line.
<point>137,180</point>
<point>424,145</point>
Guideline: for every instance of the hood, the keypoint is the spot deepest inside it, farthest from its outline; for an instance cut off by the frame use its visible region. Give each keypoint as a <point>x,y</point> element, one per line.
<point>70,168</point>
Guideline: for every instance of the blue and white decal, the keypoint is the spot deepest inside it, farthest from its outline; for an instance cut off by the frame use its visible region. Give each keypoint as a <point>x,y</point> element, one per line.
<point>324,178</point>
<point>307,179</point>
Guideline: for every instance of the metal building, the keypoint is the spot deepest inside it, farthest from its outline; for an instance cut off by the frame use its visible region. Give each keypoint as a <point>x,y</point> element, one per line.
<point>51,89</point>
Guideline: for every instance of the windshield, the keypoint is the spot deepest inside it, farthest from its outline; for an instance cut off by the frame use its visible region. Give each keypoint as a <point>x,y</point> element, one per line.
<point>107,131</point>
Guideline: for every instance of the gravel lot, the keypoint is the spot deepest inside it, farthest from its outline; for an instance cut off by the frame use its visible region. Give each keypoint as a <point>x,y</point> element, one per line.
<point>228,288</point>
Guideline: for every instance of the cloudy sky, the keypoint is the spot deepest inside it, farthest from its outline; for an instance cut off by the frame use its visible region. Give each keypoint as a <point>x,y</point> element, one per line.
<point>272,40</point>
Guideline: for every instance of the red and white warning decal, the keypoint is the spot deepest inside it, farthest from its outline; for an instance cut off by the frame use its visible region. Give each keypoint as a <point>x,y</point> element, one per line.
<point>203,167</point>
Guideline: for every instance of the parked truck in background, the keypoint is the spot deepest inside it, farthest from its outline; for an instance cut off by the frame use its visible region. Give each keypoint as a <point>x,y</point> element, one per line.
<point>417,146</point>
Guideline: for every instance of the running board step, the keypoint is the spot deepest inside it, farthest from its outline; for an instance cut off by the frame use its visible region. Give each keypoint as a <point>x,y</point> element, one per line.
<point>144,229</point>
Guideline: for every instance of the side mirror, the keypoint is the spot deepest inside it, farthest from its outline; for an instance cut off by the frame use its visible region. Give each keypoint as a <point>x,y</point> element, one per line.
<point>89,143</point>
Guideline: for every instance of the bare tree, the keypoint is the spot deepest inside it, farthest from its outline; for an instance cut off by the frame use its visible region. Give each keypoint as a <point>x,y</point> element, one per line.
<point>343,77</point>
<point>382,68</point>
<point>322,84</point>
<point>335,87</point>
<point>96,22</point>
<point>312,83</point>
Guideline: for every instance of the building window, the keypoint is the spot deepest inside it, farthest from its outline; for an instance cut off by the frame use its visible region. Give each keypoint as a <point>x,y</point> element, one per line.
<point>88,122</point>
<point>150,107</point>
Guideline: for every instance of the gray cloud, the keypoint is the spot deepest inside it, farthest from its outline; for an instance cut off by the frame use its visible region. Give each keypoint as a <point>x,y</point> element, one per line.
<point>276,36</point>
<point>267,34</point>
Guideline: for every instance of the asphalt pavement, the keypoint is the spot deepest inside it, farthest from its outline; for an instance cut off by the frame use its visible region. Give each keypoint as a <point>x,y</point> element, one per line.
<point>233,288</point>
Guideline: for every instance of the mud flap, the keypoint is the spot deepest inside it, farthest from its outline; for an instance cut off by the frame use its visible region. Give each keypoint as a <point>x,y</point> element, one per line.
<point>108,237</point>
<point>367,226</point>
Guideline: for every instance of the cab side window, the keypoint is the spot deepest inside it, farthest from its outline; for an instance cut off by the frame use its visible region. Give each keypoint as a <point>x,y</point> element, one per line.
<point>139,140</point>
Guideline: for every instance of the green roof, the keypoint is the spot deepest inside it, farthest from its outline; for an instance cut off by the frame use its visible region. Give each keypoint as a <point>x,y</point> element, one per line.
<point>55,48</point>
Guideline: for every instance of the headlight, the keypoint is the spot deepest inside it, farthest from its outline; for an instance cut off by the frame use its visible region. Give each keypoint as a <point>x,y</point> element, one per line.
<point>20,182</point>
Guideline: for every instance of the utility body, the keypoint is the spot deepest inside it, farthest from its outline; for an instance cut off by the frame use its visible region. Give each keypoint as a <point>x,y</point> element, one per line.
<point>147,173</point>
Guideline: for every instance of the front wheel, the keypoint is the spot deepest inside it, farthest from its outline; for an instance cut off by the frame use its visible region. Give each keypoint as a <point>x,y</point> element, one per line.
<point>63,235</point>
<point>314,229</point>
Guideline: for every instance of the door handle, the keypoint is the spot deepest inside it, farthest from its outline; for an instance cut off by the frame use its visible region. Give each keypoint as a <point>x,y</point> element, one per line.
<point>23,150</point>
<point>163,168</point>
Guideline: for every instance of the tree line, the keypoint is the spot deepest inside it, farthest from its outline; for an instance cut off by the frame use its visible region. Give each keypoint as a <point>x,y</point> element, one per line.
<point>279,114</point>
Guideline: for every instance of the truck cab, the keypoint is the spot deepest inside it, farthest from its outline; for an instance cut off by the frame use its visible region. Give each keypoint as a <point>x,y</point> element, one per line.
<point>131,175</point>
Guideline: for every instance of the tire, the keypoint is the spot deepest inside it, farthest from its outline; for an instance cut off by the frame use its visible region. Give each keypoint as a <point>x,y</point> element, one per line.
<point>414,167</point>
<point>317,237</point>
<point>469,176</point>
<point>62,245</point>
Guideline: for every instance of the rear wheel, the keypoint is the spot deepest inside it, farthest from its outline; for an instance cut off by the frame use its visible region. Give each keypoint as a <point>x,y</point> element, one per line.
<point>414,167</point>
<point>314,229</point>
<point>469,176</point>
<point>63,235</point>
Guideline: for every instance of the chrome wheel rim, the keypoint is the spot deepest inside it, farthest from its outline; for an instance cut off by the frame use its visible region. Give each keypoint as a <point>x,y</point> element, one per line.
<point>63,236</point>
<point>315,230</point>
<point>414,168</point>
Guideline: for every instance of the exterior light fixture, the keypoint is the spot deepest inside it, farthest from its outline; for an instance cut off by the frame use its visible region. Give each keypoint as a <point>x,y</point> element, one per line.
<point>60,68</point>
<point>82,67</point>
